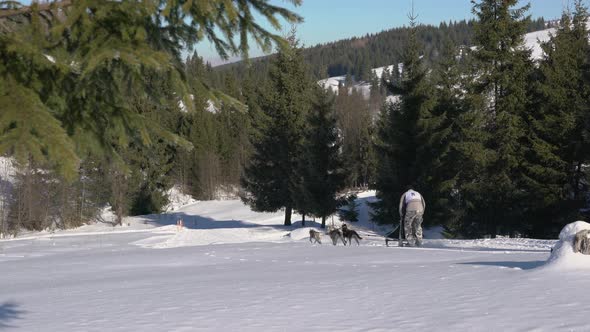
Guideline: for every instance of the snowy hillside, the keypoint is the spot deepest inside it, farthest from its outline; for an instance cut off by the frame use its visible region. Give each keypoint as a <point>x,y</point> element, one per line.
<point>333,83</point>
<point>532,41</point>
<point>236,270</point>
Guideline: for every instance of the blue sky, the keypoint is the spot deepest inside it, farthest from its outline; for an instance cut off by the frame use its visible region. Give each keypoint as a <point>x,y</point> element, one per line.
<point>330,20</point>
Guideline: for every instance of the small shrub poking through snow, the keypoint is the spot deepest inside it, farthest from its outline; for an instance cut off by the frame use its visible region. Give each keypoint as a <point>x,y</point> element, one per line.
<point>563,255</point>
<point>350,212</point>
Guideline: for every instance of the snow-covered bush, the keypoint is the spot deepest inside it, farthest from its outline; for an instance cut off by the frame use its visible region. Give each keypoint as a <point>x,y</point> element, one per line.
<point>563,255</point>
<point>177,199</point>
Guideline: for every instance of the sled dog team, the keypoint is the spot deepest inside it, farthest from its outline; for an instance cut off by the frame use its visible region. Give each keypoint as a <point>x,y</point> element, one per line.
<point>344,234</point>
<point>411,210</point>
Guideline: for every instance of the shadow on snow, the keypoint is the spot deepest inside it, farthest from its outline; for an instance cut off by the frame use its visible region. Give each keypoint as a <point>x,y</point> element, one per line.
<point>9,312</point>
<point>529,265</point>
<point>200,222</point>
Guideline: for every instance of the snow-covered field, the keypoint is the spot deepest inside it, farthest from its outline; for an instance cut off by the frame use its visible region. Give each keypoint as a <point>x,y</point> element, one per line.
<point>230,269</point>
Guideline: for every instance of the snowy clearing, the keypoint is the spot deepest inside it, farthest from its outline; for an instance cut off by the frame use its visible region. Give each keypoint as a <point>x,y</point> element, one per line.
<point>233,269</point>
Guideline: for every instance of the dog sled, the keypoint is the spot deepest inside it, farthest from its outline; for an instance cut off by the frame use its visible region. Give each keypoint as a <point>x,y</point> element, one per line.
<point>397,234</point>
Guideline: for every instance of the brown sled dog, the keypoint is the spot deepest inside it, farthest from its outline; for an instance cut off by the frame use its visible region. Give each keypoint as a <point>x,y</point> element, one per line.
<point>350,234</point>
<point>314,235</point>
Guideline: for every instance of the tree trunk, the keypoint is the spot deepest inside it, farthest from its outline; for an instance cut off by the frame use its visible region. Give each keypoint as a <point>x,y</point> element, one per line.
<point>288,211</point>
<point>323,221</point>
<point>3,201</point>
<point>120,216</point>
<point>577,179</point>
<point>121,199</point>
<point>303,220</point>
<point>82,198</point>
<point>119,192</point>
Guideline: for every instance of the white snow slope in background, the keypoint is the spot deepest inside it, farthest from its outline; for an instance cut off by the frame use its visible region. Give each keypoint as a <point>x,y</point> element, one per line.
<point>532,41</point>
<point>231,269</point>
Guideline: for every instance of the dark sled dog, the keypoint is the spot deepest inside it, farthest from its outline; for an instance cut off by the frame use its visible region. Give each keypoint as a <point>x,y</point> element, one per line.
<point>350,234</point>
<point>314,235</point>
<point>336,234</point>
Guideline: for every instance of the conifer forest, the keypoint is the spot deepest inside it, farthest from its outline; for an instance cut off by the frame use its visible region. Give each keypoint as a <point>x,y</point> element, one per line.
<point>107,103</point>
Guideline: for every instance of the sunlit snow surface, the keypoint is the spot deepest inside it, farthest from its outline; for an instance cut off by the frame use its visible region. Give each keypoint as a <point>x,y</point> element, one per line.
<point>231,269</point>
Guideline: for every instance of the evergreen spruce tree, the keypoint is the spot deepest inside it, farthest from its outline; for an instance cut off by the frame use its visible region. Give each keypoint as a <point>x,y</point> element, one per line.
<point>350,213</point>
<point>30,93</point>
<point>364,68</point>
<point>440,131</point>
<point>557,120</point>
<point>501,72</point>
<point>75,75</point>
<point>355,123</point>
<point>187,122</point>
<point>402,133</point>
<point>89,65</point>
<point>375,84</point>
<point>272,179</point>
<point>581,135</point>
<point>348,80</point>
<point>376,97</point>
<point>323,167</point>
<point>206,167</point>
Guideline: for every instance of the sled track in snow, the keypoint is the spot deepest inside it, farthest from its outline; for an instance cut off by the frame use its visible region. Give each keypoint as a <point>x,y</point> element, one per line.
<point>472,250</point>
<point>373,240</point>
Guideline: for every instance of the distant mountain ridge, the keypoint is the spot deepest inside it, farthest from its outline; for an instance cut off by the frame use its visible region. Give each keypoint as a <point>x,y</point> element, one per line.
<point>356,56</point>
<point>532,41</point>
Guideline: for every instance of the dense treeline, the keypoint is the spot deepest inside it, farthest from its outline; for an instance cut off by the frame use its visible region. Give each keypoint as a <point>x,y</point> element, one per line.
<point>356,56</point>
<point>499,144</point>
<point>296,164</point>
<point>98,108</point>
